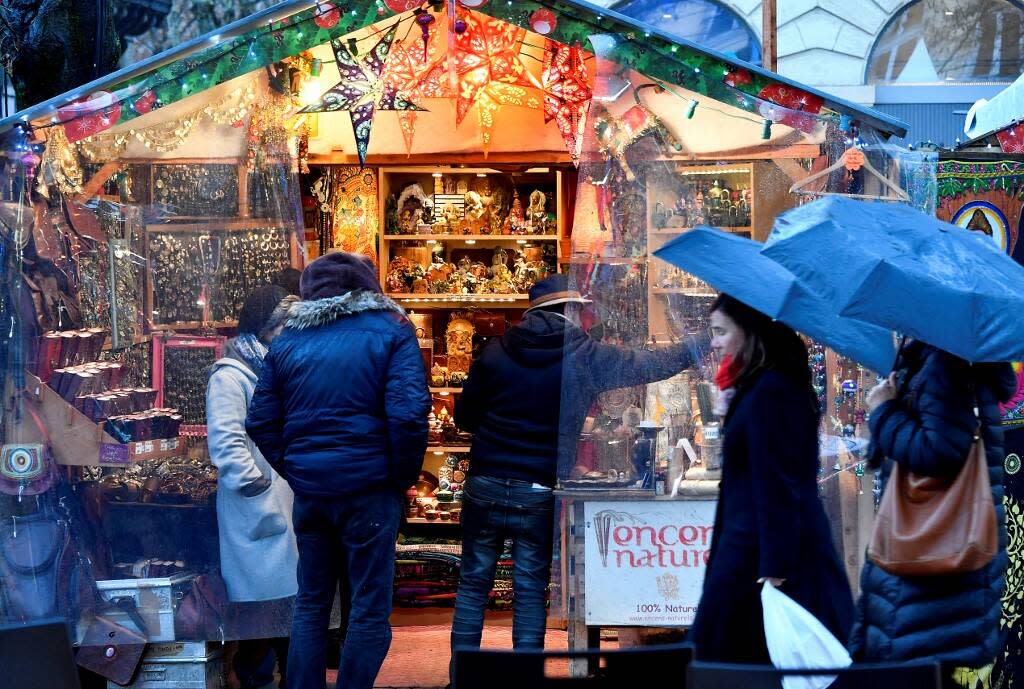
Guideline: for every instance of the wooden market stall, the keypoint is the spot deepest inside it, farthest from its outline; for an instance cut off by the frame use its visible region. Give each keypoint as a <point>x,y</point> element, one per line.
<point>469,149</point>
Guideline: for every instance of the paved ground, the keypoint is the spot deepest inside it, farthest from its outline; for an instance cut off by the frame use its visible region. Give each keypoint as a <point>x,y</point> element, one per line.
<point>419,655</point>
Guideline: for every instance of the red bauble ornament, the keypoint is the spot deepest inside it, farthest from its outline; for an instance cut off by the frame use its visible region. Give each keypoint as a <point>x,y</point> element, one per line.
<point>543,21</point>
<point>88,116</point>
<point>327,16</point>
<point>145,102</point>
<point>800,106</point>
<point>1011,139</point>
<point>399,6</point>
<point>738,77</point>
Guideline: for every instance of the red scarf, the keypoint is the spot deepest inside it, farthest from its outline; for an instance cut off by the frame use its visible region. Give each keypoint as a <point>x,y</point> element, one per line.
<point>729,371</point>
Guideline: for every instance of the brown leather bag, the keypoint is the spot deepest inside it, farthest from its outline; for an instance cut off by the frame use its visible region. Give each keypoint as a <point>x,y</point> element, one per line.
<point>201,615</point>
<point>110,649</point>
<point>932,527</point>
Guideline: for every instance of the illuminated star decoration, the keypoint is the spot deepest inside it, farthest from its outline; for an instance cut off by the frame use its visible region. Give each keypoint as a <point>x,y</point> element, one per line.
<point>567,92</point>
<point>488,70</point>
<point>361,90</point>
<point>416,77</point>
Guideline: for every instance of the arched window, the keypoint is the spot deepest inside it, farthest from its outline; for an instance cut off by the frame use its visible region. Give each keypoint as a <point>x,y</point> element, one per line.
<point>950,40</point>
<point>704,22</point>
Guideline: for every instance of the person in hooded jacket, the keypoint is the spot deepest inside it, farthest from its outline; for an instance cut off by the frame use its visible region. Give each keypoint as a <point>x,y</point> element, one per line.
<point>525,400</point>
<point>923,417</point>
<point>340,411</point>
<point>254,504</point>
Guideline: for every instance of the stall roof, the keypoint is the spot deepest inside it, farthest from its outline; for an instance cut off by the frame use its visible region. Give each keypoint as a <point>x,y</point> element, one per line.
<point>988,117</point>
<point>289,28</point>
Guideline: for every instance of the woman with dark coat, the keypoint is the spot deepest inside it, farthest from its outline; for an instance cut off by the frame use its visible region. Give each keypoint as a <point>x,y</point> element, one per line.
<point>769,524</point>
<point>923,417</point>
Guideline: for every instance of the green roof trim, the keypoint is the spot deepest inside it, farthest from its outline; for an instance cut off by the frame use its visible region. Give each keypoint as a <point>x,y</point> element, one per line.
<point>289,29</point>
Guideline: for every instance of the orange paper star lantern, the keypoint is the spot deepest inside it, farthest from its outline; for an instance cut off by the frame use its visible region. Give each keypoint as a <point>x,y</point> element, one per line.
<point>488,70</point>
<point>415,76</point>
<point>567,92</point>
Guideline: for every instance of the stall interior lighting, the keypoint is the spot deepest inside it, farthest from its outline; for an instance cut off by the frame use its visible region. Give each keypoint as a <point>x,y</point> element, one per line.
<point>483,298</point>
<point>722,171</point>
<point>470,241</point>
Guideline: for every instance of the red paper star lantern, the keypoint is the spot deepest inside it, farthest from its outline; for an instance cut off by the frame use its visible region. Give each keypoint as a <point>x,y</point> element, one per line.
<point>567,92</point>
<point>488,69</point>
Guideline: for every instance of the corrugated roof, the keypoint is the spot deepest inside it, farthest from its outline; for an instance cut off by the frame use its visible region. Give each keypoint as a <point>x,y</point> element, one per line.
<point>940,123</point>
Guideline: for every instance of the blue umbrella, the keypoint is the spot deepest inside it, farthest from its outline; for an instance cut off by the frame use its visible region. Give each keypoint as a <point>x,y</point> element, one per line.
<point>898,268</point>
<point>736,266</point>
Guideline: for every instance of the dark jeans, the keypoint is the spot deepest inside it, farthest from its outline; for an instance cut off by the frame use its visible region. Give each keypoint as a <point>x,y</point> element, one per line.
<point>345,544</point>
<point>493,510</point>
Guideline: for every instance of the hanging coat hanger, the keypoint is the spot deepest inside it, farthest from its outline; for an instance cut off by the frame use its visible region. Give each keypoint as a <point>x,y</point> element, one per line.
<point>862,163</point>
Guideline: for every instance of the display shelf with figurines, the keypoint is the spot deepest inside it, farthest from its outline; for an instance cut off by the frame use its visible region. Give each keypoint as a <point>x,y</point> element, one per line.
<point>456,236</point>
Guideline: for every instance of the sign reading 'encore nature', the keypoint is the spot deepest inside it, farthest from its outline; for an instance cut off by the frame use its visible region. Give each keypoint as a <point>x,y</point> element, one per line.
<point>645,561</point>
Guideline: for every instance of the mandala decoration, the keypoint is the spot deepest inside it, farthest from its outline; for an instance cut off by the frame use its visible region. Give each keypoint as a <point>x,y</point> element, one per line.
<point>361,90</point>
<point>1012,463</point>
<point>567,92</point>
<point>417,74</point>
<point>489,70</point>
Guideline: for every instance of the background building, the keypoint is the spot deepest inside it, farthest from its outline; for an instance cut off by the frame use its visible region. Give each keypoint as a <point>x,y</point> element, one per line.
<point>925,62</point>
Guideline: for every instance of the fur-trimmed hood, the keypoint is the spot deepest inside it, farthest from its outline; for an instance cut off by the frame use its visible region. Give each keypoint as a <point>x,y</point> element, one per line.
<point>304,315</point>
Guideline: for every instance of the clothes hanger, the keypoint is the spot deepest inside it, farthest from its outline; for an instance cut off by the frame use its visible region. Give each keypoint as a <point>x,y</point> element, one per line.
<point>861,162</point>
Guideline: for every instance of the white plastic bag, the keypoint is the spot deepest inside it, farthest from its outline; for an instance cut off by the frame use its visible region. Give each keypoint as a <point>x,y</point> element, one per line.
<point>797,640</point>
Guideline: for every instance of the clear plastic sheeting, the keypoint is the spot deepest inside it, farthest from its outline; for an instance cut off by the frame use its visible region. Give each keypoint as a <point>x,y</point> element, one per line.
<point>657,160</point>
<point>127,259</point>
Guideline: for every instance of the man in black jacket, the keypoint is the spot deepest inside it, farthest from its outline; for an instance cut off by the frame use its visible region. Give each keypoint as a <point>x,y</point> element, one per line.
<point>526,399</point>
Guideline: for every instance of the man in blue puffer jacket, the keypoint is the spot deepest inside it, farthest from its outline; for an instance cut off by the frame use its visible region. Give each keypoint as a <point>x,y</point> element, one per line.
<point>340,411</point>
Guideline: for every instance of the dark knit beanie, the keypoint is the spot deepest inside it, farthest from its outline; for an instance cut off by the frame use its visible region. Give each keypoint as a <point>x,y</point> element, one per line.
<point>258,308</point>
<point>338,273</point>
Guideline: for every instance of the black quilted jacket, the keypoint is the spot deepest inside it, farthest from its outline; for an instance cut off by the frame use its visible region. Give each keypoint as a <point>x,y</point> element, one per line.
<point>928,429</point>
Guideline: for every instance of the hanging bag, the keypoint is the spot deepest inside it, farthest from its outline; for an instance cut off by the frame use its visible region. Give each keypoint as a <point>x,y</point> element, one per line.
<point>797,640</point>
<point>931,526</point>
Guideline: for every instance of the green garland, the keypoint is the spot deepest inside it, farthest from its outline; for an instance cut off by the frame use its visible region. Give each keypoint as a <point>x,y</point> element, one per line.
<point>656,57</point>
<point>958,177</point>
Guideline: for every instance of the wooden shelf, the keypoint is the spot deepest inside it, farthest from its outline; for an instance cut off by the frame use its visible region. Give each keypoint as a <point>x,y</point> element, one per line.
<point>607,260</point>
<point>689,292</point>
<point>473,237</point>
<point>494,300</point>
<point>192,325</point>
<point>674,231</point>
<point>442,449</point>
<point>445,391</point>
<point>421,520</point>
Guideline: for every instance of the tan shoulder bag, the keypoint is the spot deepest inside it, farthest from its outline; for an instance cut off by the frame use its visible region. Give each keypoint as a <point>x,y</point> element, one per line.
<point>932,527</point>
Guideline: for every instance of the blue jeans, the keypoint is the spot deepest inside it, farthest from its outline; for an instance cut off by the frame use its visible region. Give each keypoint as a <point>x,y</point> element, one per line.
<point>347,545</point>
<point>493,510</point>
